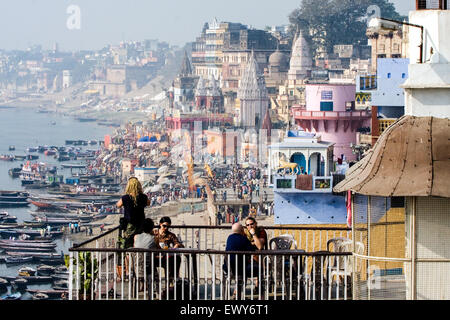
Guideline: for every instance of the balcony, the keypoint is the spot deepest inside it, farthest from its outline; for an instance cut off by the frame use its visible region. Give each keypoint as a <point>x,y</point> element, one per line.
<point>307,271</point>
<point>330,115</point>
<point>290,184</point>
<point>310,119</point>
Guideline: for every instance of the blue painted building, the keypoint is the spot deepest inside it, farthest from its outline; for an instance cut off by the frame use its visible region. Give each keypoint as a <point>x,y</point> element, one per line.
<point>309,208</point>
<point>304,197</point>
<point>385,87</point>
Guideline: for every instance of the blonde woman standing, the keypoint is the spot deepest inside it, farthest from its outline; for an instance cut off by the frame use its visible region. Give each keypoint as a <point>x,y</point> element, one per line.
<point>134,201</point>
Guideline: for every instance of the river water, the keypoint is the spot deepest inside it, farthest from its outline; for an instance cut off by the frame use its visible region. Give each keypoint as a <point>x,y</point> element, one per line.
<point>23,128</point>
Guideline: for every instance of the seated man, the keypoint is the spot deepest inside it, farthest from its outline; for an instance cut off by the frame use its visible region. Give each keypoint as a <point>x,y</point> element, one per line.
<point>237,241</point>
<point>256,235</point>
<point>145,240</point>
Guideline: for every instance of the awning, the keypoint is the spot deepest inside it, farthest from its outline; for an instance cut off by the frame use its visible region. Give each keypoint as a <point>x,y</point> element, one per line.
<point>411,158</point>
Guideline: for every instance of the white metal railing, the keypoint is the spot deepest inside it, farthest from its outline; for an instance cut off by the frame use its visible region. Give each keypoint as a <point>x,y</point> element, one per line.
<point>297,274</point>
<point>137,274</point>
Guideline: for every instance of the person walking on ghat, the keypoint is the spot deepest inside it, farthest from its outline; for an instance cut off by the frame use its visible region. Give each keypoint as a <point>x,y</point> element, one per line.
<point>134,201</point>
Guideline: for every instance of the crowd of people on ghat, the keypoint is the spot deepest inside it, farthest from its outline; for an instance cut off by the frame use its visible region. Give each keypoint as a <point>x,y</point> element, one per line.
<point>245,182</point>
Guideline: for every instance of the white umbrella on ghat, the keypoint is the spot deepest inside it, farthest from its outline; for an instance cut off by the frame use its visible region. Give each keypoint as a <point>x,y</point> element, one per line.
<point>163,169</point>
<point>155,188</point>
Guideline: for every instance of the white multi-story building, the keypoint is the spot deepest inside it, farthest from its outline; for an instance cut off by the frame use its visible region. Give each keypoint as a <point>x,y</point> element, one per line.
<point>67,79</point>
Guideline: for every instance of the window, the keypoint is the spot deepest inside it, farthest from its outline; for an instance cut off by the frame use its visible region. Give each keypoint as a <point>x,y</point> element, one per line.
<point>396,47</point>
<point>389,75</point>
<point>327,95</point>
<point>403,75</point>
<point>326,106</point>
<point>284,183</point>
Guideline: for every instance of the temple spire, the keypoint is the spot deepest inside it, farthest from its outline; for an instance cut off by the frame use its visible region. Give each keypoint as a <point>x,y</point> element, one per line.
<point>186,68</point>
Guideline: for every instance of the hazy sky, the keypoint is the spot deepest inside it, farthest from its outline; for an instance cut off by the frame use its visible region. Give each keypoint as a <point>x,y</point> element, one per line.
<point>27,22</point>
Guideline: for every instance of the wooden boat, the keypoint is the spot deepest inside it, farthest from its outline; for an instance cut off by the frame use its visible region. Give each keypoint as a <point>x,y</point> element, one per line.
<point>34,254</point>
<point>7,157</point>
<point>13,296</point>
<point>27,244</point>
<point>50,293</point>
<point>66,215</point>
<point>27,271</point>
<point>19,157</point>
<point>12,148</point>
<point>32,157</point>
<point>19,284</point>
<point>18,260</point>
<point>34,224</point>
<point>41,204</point>
<point>72,165</point>
<point>4,226</point>
<point>50,152</point>
<point>13,198</point>
<point>52,261</point>
<point>8,219</point>
<point>37,185</point>
<point>37,279</point>
<point>31,233</point>
<point>61,269</point>
<point>36,241</point>
<point>34,233</point>
<point>45,270</point>
<point>14,172</point>
<point>60,277</point>
<point>61,221</point>
<point>40,296</point>
<point>11,204</point>
<point>41,149</point>
<point>3,285</point>
<point>28,241</point>
<point>60,284</point>
<point>25,249</point>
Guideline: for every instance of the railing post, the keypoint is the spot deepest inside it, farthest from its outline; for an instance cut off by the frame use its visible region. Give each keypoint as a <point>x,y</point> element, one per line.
<point>71,275</point>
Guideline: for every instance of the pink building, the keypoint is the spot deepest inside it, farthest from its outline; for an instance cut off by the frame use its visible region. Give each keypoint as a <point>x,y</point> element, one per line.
<point>330,112</point>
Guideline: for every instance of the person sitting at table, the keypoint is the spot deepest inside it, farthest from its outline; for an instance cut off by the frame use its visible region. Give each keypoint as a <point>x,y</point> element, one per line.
<point>145,240</point>
<point>256,235</point>
<point>164,237</point>
<point>237,241</point>
<point>168,240</point>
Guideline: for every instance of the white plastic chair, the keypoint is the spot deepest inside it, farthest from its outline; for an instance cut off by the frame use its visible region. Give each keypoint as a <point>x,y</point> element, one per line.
<point>283,242</point>
<point>341,266</point>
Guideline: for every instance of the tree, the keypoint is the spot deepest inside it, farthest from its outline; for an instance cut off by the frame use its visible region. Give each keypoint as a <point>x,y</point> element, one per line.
<point>326,23</point>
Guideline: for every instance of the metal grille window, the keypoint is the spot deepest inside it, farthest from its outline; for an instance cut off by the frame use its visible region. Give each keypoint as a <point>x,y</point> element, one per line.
<point>381,269</point>
<point>327,95</point>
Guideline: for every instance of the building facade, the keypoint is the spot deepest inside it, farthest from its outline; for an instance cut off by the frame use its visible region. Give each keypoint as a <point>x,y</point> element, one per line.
<point>329,111</point>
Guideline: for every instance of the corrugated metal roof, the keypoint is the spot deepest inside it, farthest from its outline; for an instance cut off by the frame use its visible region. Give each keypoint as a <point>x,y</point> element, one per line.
<point>411,158</point>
